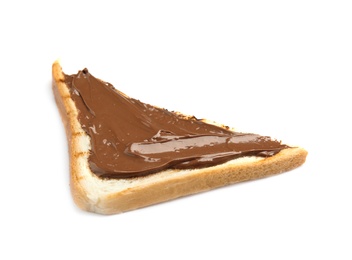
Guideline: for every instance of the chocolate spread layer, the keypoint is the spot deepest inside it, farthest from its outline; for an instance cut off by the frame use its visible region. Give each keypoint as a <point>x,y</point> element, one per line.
<point>130,138</point>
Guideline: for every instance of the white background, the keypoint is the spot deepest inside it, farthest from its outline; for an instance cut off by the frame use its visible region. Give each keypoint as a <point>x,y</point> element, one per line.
<point>280,68</point>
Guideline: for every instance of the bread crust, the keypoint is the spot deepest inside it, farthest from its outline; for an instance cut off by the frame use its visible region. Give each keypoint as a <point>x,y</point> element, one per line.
<point>93,194</point>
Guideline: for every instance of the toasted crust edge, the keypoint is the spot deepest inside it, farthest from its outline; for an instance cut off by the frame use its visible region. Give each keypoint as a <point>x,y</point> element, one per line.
<point>178,185</point>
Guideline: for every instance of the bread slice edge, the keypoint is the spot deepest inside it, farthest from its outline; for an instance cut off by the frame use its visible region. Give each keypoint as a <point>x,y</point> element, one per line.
<point>112,196</point>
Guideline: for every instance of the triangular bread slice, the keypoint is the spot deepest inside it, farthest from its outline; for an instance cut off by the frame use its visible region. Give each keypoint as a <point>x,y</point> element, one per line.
<point>111,196</point>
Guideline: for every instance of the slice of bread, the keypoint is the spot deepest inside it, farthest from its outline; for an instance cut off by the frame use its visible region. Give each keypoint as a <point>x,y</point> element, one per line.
<point>111,196</point>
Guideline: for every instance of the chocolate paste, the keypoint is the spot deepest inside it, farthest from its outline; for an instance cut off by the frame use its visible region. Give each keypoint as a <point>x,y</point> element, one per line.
<point>130,138</point>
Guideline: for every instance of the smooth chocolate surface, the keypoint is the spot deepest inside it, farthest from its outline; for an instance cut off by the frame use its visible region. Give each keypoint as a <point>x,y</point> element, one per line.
<point>130,138</point>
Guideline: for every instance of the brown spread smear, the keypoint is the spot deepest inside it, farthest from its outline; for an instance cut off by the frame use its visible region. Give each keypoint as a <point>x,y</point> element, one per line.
<point>130,138</point>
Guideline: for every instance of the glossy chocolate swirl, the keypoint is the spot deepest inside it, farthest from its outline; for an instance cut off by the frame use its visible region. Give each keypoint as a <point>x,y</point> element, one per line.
<point>130,138</point>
